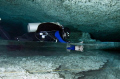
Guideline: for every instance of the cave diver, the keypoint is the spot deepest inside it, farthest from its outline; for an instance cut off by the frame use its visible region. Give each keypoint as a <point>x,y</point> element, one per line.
<point>50,32</point>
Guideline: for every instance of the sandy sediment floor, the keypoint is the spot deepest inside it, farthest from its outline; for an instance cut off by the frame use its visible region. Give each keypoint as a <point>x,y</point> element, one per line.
<point>27,66</point>
<point>31,64</point>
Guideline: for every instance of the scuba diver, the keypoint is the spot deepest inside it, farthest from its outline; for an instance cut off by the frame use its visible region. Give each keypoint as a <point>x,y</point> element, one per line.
<point>45,32</point>
<point>50,32</point>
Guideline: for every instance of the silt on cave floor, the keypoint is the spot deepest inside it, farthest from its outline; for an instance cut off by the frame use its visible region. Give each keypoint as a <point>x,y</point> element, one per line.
<point>56,63</point>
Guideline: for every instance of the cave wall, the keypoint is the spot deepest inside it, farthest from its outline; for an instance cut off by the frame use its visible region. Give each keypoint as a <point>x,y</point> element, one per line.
<point>101,18</point>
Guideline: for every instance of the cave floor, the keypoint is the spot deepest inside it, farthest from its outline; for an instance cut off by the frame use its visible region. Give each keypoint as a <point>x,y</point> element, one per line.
<point>55,62</point>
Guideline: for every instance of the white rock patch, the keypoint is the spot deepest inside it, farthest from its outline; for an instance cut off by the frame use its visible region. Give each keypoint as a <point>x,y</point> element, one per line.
<point>41,67</point>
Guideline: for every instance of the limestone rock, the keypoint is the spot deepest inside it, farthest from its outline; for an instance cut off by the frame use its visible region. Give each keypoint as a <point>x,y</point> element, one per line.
<point>94,16</point>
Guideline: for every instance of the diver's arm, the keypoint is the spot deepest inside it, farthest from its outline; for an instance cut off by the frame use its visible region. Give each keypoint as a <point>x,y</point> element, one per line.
<point>57,35</point>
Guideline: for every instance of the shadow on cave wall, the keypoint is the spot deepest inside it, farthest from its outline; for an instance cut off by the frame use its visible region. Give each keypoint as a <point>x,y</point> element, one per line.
<point>98,32</point>
<point>106,37</point>
<point>13,28</point>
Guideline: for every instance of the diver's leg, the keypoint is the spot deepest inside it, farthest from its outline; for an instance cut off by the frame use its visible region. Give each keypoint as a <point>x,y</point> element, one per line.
<point>4,34</point>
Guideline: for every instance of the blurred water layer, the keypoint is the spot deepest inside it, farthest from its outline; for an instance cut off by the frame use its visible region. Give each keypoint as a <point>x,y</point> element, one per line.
<point>53,45</point>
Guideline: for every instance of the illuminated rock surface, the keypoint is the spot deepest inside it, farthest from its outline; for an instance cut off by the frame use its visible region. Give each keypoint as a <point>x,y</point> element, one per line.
<point>45,67</point>
<point>99,17</point>
<point>34,64</point>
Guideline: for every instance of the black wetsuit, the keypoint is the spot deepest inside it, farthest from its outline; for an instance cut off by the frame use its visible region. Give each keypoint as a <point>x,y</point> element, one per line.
<point>51,27</point>
<point>32,36</point>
